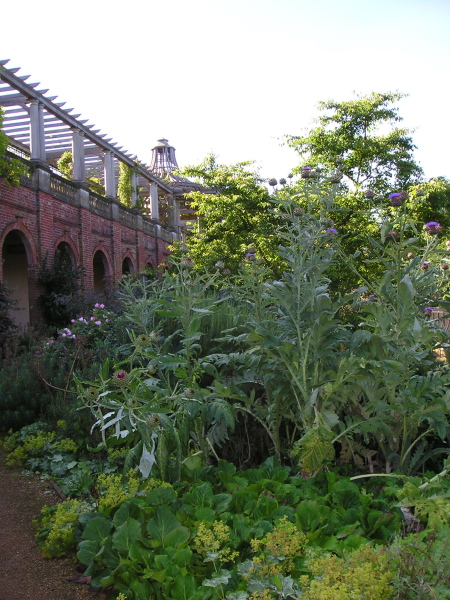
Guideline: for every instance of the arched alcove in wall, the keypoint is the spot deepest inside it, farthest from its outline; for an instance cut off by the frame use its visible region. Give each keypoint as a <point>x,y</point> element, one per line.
<point>100,270</point>
<point>127,266</point>
<point>64,255</point>
<point>15,275</point>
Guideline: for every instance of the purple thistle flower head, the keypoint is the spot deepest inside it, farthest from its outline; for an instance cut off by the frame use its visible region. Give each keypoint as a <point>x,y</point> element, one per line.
<point>425,265</point>
<point>433,227</point>
<point>428,310</point>
<point>331,231</point>
<point>396,199</point>
<point>250,255</point>
<point>98,322</point>
<point>96,305</point>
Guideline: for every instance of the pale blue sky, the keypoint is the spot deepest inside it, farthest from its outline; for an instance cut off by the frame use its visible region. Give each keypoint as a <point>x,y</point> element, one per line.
<point>235,76</point>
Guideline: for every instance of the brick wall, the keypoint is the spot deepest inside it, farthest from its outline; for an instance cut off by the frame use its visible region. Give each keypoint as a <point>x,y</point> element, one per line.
<point>44,219</point>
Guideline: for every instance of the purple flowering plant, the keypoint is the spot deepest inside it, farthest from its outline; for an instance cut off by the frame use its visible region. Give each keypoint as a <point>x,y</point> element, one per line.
<point>432,227</point>
<point>89,335</point>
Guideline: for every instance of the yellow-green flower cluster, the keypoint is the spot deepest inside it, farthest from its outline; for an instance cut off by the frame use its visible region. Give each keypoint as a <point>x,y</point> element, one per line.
<point>65,445</point>
<point>33,444</point>
<point>11,441</point>
<point>60,521</point>
<point>264,595</point>
<point>17,457</point>
<point>279,549</point>
<point>117,454</point>
<point>151,484</point>
<point>211,537</point>
<point>114,489</point>
<point>364,575</point>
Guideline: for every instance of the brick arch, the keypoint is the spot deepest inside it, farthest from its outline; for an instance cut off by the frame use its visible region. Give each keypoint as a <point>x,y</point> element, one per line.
<point>102,272</point>
<point>128,259</point>
<point>102,248</point>
<point>26,237</point>
<point>66,239</point>
<point>150,262</point>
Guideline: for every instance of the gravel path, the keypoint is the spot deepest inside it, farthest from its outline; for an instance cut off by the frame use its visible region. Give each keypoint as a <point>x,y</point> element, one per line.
<point>24,574</point>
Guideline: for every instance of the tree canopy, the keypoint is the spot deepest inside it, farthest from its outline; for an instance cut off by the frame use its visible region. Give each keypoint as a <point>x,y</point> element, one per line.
<point>375,153</point>
<point>233,214</point>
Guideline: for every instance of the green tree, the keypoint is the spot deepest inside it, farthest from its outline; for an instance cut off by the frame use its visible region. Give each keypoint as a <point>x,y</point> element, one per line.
<point>233,213</point>
<point>363,134</point>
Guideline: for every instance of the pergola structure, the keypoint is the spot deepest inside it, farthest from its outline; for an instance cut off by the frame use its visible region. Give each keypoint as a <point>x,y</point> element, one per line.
<point>41,130</point>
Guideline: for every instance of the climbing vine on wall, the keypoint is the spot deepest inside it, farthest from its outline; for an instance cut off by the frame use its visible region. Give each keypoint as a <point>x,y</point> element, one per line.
<point>125,187</point>
<point>11,169</point>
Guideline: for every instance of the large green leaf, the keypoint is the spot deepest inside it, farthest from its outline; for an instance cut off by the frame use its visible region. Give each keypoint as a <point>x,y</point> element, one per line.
<point>310,515</point>
<point>87,551</point>
<point>222,502</point>
<point>346,495</point>
<point>202,495</point>
<point>97,529</point>
<point>184,588</point>
<point>182,557</point>
<point>142,589</point>
<point>161,496</point>
<point>126,534</point>
<point>141,554</point>
<point>130,508</point>
<point>165,528</point>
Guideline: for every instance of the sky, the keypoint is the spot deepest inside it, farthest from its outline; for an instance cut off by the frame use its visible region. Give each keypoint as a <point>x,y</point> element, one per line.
<point>234,77</point>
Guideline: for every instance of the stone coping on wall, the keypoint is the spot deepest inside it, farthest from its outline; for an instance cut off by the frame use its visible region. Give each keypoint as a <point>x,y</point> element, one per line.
<point>42,178</point>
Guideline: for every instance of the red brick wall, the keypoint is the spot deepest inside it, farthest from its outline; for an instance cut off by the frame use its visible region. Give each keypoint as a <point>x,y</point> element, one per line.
<point>44,221</point>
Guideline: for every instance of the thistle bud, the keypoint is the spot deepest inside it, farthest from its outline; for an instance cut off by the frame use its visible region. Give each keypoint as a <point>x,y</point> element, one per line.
<point>392,236</point>
<point>153,421</point>
<point>120,378</point>
<point>143,340</point>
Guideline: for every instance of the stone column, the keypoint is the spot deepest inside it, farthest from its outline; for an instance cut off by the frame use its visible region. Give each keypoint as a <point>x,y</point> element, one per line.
<point>79,169</point>
<point>110,181</point>
<point>174,212</point>
<point>41,132</point>
<point>34,131</point>
<point>154,207</point>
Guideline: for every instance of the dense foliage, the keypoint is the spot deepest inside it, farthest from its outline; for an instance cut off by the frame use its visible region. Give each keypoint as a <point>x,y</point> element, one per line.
<point>233,213</point>
<point>373,152</point>
<point>248,426</point>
